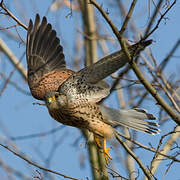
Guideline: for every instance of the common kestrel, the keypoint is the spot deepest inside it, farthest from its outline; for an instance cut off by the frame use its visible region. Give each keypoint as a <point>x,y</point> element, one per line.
<point>72,97</point>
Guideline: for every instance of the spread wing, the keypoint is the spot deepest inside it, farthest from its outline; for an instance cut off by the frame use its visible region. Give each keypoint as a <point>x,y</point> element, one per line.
<point>86,84</point>
<point>44,56</point>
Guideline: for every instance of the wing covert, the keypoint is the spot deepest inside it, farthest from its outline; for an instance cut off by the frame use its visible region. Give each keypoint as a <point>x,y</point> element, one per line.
<point>87,83</point>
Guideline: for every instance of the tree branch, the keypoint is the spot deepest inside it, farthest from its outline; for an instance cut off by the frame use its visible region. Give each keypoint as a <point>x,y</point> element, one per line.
<point>135,68</point>
<point>37,165</point>
<point>144,169</point>
<point>11,15</point>
<point>13,59</point>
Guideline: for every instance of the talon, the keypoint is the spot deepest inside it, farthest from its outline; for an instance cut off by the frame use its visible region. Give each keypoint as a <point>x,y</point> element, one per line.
<point>106,153</point>
<point>97,141</point>
<point>105,150</point>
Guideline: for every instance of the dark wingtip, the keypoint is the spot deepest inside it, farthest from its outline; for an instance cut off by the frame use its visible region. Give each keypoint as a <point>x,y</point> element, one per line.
<point>30,25</point>
<point>37,16</point>
<point>37,20</point>
<point>44,20</point>
<point>150,116</point>
<point>147,43</point>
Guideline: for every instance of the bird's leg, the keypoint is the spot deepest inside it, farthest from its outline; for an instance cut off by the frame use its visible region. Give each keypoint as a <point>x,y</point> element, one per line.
<point>106,152</point>
<point>97,141</point>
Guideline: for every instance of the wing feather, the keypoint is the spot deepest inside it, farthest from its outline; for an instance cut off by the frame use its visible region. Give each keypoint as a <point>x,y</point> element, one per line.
<point>87,83</point>
<point>44,56</point>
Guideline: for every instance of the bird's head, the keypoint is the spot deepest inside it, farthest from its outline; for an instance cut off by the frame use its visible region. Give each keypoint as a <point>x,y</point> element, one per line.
<point>55,100</point>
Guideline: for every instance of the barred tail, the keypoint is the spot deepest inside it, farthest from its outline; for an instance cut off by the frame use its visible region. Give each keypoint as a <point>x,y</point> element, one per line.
<point>137,119</point>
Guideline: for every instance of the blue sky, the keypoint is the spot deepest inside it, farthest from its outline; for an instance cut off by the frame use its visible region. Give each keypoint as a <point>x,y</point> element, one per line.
<point>19,117</point>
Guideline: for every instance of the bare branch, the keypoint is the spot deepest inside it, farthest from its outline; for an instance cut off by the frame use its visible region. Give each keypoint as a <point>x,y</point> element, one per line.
<point>13,59</point>
<point>11,15</point>
<point>166,148</point>
<point>144,169</point>
<point>160,19</point>
<point>37,165</point>
<point>137,71</point>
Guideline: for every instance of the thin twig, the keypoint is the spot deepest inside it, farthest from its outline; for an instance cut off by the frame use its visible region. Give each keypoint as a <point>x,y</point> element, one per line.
<point>157,25</point>
<point>46,133</point>
<point>148,148</point>
<point>11,15</point>
<point>13,171</point>
<point>166,60</point>
<point>155,13</point>
<point>13,59</point>
<point>144,169</point>
<point>166,148</point>
<point>37,165</point>
<point>127,19</point>
<point>135,68</point>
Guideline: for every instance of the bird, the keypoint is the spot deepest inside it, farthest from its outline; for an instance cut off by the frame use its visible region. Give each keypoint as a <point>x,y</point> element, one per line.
<point>72,98</point>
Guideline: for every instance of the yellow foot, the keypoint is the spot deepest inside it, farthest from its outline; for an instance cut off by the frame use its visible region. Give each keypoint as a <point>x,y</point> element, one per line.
<point>106,153</point>
<point>105,150</point>
<point>97,141</point>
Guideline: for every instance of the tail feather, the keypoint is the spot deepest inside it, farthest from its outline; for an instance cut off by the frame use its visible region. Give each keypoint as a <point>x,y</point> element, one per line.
<point>137,119</point>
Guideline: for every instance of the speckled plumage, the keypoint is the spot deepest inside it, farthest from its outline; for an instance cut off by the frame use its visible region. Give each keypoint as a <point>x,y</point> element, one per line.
<point>45,59</point>
<point>72,97</point>
<point>86,116</point>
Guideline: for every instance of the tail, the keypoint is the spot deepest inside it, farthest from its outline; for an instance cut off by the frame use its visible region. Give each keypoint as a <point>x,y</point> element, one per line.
<point>137,119</point>
<point>44,52</point>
